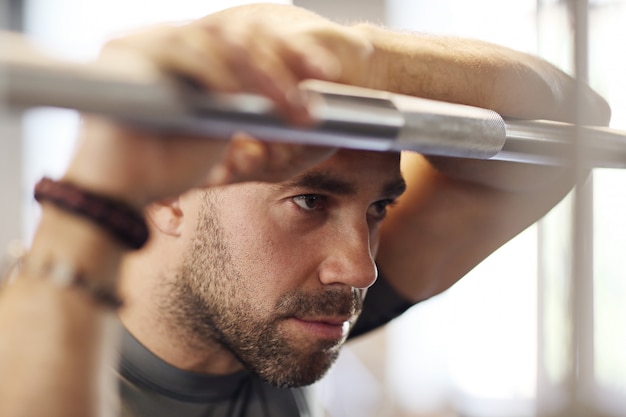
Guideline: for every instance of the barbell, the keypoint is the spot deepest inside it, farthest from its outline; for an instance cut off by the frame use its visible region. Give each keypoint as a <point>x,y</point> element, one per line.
<point>346,116</point>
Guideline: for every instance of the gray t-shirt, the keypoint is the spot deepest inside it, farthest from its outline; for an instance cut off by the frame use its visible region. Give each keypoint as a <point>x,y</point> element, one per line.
<point>151,387</point>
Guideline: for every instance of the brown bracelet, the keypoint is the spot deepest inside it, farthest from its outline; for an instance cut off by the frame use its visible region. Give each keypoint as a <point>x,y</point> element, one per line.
<point>119,219</point>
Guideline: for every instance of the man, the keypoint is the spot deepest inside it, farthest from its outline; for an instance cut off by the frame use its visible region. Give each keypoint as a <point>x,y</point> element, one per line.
<point>247,290</point>
<point>260,277</point>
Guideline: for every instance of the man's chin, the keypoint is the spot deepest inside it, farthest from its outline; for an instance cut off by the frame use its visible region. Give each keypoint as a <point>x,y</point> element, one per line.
<point>300,373</point>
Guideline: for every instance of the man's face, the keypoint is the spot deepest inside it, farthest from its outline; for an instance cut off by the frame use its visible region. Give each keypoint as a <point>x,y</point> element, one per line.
<point>276,273</point>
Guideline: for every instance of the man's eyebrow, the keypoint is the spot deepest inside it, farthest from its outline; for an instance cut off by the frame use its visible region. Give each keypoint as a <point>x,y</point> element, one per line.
<point>394,188</point>
<point>320,181</point>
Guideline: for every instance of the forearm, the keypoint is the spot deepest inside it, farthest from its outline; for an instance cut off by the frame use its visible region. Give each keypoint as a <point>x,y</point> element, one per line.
<point>458,211</point>
<point>52,353</point>
<point>477,73</point>
<point>54,337</point>
<point>457,70</point>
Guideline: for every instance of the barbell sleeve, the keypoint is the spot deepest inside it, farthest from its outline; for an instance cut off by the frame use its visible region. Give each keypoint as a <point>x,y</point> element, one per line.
<point>346,116</point>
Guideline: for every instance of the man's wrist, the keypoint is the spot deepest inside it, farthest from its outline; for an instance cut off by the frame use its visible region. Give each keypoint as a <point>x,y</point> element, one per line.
<point>377,73</point>
<point>70,238</point>
<point>122,221</point>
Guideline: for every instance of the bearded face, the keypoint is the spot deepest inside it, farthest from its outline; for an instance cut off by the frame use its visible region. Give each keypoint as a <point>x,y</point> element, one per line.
<point>216,303</point>
<point>273,275</point>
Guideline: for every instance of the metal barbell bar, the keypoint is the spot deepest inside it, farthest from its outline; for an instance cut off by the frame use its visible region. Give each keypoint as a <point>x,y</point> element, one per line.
<point>347,116</point>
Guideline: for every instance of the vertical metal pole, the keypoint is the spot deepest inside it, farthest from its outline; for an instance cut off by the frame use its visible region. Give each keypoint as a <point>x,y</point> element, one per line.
<point>555,253</point>
<point>10,144</point>
<point>565,291</point>
<point>542,381</point>
<point>581,384</point>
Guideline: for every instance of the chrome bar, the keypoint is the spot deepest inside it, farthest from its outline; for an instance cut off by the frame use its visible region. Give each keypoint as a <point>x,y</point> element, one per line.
<point>547,142</point>
<point>347,116</point>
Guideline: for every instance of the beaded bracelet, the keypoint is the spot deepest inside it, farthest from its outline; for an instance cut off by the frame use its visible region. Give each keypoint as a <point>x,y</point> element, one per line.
<point>122,221</point>
<point>63,274</point>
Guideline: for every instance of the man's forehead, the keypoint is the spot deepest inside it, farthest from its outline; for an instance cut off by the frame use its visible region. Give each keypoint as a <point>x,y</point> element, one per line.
<point>349,170</point>
<point>350,160</point>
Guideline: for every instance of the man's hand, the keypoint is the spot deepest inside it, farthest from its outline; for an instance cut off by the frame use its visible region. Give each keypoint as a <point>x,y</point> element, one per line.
<point>216,55</point>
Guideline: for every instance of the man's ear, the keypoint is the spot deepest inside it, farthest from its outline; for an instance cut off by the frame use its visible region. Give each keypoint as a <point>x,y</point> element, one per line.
<point>166,216</point>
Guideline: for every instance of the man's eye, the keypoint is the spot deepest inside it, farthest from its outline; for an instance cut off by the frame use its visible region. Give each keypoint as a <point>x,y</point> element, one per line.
<point>309,202</point>
<point>379,208</point>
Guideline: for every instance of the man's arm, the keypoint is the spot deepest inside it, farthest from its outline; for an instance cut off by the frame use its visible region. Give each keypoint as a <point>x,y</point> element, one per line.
<point>476,73</point>
<point>457,70</point>
<point>458,211</point>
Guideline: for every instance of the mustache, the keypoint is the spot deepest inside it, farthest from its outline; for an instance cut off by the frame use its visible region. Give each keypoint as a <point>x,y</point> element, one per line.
<point>335,302</point>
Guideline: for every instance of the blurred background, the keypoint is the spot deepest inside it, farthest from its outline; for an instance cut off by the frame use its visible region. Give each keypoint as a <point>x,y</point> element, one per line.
<point>538,329</point>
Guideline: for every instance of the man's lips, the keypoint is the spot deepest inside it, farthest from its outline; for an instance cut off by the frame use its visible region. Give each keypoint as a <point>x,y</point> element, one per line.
<point>333,328</point>
<point>332,320</point>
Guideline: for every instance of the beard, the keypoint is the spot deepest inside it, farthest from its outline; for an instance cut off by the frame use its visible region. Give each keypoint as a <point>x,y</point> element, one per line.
<point>213,307</point>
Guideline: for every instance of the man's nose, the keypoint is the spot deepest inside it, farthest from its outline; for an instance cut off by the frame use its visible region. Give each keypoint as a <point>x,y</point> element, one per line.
<point>349,260</point>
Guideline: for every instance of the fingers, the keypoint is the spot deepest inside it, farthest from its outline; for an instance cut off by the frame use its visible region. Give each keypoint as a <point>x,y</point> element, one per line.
<point>249,58</point>
<point>253,57</point>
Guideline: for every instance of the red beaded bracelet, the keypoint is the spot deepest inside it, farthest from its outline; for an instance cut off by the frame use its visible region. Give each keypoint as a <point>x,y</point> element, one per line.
<point>118,218</point>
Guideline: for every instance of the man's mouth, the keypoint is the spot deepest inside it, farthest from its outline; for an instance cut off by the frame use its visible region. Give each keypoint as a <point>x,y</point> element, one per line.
<point>327,327</point>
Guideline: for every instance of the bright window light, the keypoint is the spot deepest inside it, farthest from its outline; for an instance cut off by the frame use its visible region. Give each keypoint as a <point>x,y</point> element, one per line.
<point>472,349</point>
